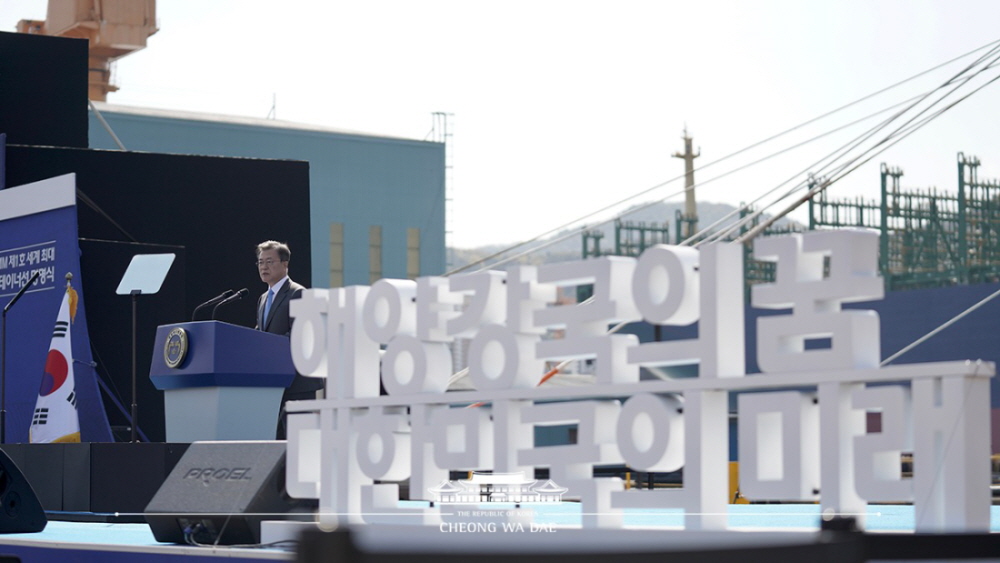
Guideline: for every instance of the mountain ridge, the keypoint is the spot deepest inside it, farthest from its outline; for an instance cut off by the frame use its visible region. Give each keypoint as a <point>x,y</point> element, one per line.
<point>658,214</point>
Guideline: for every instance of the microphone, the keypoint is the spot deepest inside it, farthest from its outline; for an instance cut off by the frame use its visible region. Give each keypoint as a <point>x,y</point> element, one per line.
<point>21,292</point>
<point>211,301</point>
<point>236,296</point>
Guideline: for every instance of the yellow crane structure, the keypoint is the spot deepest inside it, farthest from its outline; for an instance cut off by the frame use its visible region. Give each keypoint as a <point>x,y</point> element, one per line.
<point>114,29</point>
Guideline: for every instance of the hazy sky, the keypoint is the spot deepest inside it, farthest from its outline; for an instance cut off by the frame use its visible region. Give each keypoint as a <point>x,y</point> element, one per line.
<point>560,107</point>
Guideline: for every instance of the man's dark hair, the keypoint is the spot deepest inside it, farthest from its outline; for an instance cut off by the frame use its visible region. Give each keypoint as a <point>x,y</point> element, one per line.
<point>284,254</point>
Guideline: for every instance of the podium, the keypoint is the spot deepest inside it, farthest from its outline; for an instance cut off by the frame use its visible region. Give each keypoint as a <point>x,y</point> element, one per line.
<point>220,381</point>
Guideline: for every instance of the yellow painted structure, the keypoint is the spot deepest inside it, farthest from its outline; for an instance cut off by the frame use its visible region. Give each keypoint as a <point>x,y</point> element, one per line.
<point>734,484</point>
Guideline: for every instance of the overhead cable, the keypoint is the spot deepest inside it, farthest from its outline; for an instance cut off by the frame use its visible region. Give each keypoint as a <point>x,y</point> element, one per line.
<point>900,133</point>
<point>484,260</point>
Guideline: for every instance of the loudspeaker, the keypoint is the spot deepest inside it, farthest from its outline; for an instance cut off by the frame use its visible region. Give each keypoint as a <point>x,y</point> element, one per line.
<point>219,493</point>
<point>20,511</point>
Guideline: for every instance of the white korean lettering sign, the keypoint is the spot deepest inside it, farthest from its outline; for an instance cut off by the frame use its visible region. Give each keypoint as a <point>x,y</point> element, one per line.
<point>801,422</point>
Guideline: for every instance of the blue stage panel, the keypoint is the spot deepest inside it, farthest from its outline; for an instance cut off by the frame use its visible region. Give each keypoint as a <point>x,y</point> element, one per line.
<point>112,543</point>
<point>73,542</point>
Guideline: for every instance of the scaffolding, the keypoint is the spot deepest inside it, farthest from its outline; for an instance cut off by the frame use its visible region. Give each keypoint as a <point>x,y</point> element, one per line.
<point>759,271</point>
<point>632,238</point>
<point>928,238</point>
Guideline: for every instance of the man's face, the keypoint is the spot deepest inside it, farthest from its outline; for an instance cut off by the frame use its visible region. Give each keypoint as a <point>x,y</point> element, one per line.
<point>270,267</point>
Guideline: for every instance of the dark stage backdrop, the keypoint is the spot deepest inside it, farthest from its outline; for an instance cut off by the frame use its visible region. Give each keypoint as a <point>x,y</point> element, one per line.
<point>43,90</point>
<point>216,209</point>
<point>102,264</point>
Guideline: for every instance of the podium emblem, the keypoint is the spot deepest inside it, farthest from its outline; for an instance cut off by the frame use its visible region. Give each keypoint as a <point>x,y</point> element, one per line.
<point>175,348</point>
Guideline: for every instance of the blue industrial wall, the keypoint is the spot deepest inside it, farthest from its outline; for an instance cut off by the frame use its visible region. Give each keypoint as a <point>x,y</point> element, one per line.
<point>355,179</point>
<point>904,316</point>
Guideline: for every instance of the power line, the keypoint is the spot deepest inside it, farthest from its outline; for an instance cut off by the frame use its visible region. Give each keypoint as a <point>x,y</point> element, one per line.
<point>750,219</point>
<point>903,131</point>
<point>843,151</point>
<point>618,203</point>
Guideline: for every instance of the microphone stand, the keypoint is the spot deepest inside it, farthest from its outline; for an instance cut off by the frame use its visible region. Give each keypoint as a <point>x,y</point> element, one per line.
<point>3,359</point>
<point>212,301</point>
<point>135,405</point>
<point>238,295</point>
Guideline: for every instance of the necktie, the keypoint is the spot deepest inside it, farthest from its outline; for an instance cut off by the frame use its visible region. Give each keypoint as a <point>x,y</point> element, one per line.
<point>267,307</point>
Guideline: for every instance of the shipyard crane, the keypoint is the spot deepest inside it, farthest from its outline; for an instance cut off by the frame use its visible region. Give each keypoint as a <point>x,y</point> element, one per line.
<point>114,29</point>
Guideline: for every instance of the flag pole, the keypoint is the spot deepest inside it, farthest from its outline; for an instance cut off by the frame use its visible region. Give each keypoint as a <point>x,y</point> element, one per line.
<point>3,358</point>
<point>3,381</point>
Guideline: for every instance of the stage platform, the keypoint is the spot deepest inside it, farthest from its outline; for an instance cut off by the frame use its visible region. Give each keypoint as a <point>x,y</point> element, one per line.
<point>95,497</point>
<point>80,542</point>
<point>98,542</point>
<point>105,482</point>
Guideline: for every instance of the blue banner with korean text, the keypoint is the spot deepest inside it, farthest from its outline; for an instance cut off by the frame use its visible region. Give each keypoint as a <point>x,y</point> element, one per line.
<point>38,234</point>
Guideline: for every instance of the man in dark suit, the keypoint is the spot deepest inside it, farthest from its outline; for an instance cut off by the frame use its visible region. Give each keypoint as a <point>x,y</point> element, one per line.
<point>273,317</point>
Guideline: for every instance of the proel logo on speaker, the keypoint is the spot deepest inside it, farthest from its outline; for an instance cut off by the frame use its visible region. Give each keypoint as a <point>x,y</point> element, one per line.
<point>209,474</point>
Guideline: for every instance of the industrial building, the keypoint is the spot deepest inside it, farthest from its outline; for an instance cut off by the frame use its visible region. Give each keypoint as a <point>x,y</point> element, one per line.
<point>377,204</point>
<point>353,240</point>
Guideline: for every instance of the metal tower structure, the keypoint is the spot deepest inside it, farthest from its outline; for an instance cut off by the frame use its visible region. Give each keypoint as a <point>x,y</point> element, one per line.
<point>687,224</point>
<point>631,239</point>
<point>442,132</point>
